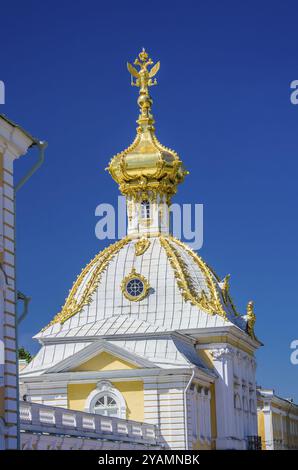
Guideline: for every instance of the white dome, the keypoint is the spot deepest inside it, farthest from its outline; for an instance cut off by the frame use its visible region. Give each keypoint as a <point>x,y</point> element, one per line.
<point>184,293</point>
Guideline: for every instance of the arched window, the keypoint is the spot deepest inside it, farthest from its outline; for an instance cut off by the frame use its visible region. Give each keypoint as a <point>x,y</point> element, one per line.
<point>106,400</point>
<point>106,405</point>
<point>245,404</point>
<point>237,401</point>
<point>145,209</point>
<point>252,407</point>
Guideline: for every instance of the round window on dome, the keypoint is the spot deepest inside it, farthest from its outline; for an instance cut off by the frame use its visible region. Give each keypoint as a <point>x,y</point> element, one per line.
<point>135,286</point>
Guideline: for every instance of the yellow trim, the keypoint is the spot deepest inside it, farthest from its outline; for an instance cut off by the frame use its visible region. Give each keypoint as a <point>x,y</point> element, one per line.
<point>213,415</point>
<point>198,445</point>
<point>261,428</point>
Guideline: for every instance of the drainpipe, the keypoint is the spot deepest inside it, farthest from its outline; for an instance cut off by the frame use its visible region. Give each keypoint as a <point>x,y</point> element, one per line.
<point>42,145</point>
<point>26,300</point>
<point>185,408</point>
<point>41,150</point>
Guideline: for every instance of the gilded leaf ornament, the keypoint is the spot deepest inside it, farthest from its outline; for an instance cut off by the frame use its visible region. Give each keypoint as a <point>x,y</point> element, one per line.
<point>210,302</point>
<point>77,300</point>
<point>251,319</point>
<point>141,246</point>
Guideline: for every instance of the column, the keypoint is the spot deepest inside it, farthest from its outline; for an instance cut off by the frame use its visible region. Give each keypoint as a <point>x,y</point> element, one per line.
<point>268,426</point>
<point>224,394</point>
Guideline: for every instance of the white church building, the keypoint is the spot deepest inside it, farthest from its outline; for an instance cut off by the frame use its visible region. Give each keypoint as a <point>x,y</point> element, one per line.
<point>149,333</point>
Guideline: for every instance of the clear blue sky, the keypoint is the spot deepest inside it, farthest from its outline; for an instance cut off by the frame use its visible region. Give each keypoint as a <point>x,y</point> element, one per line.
<point>222,102</point>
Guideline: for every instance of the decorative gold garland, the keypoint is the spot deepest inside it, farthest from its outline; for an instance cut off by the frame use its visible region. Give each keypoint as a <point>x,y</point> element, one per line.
<point>211,304</point>
<point>72,306</point>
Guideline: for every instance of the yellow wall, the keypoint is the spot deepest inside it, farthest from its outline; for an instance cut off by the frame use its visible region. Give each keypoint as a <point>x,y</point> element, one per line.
<point>104,361</point>
<point>205,355</point>
<point>213,415</point>
<point>201,446</point>
<point>287,439</point>
<point>276,423</point>
<point>261,428</point>
<point>133,393</point>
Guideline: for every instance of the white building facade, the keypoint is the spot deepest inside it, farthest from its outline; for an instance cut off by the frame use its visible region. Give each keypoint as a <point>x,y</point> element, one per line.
<point>14,142</point>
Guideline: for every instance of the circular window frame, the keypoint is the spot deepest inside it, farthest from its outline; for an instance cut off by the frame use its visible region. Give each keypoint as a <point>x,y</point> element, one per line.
<point>130,277</point>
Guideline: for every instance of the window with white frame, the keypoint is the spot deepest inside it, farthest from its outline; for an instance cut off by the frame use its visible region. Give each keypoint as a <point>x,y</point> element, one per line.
<point>106,405</point>
<point>106,400</point>
<point>145,209</point>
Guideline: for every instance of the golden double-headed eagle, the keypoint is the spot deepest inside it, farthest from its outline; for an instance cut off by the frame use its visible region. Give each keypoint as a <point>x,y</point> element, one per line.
<point>143,77</point>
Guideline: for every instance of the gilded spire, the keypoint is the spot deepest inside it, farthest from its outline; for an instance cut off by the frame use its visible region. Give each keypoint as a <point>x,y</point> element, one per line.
<point>146,166</point>
<point>144,80</point>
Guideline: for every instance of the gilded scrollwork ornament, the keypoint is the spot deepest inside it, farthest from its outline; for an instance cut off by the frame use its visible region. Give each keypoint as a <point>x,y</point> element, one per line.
<point>226,287</point>
<point>141,246</point>
<point>208,301</point>
<point>251,319</point>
